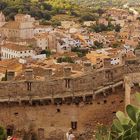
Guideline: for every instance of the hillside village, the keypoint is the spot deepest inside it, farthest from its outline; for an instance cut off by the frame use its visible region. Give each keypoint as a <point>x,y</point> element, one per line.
<point>55,77</point>
<point>28,43</point>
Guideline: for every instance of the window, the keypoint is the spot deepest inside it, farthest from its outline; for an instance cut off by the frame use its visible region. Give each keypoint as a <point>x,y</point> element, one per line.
<point>29,84</point>
<point>67,83</point>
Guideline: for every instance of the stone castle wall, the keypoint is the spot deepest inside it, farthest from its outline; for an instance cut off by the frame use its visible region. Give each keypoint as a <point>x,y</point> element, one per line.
<point>68,86</point>
<point>23,103</point>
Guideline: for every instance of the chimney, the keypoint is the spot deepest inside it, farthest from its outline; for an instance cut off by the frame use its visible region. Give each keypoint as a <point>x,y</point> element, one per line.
<point>48,73</point>
<point>87,67</point>
<point>67,71</point>
<point>29,74</point>
<point>10,75</point>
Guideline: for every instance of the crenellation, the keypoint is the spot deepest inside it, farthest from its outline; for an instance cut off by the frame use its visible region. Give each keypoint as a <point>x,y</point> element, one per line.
<point>29,74</point>
<point>10,75</point>
<point>67,71</point>
<point>80,85</point>
<point>49,73</point>
<point>87,67</point>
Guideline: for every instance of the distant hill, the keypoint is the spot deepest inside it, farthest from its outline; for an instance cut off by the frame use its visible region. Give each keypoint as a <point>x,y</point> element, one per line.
<point>43,10</point>
<point>69,3</point>
<point>50,10</point>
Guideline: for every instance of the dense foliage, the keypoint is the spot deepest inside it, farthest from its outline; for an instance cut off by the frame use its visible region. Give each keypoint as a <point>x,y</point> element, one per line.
<point>39,10</point>
<point>80,52</point>
<point>47,52</point>
<point>102,27</point>
<point>47,9</point>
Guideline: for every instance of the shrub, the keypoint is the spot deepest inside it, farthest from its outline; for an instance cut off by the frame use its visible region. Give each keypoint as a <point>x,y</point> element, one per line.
<point>65,59</point>
<point>2,133</point>
<point>47,52</point>
<point>124,127</point>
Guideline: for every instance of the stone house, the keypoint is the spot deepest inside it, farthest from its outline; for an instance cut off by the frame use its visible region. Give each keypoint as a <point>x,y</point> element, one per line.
<point>42,29</point>
<point>103,21</point>
<point>10,64</point>
<point>67,24</point>
<point>89,23</point>
<point>42,40</point>
<point>22,27</point>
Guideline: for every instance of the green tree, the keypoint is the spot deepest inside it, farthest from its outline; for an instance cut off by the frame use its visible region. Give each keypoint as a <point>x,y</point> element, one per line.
<point>115,45</point>
<point>45,22</point>
<point>117,28</point>
<point>100,11</point>
<point>47,52</point>
<point>88,17</point>
<point>3,5</point>
<point>98,44</point>
<point>46,16</point>
<point>2,133</point>
<point>56,23</point>
<point>65,59</point>
<point>5,77</point>
<point>80,52</point>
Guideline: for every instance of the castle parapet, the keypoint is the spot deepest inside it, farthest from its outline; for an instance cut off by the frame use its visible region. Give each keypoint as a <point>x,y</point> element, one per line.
<point>67,71</point>
<point>87,67</point>
<point>29,74</point>
<point>48,73</point>
<point>10,75</point>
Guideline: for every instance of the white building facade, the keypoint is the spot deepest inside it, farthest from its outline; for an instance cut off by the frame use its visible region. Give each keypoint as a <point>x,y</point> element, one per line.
<point>10,51</point>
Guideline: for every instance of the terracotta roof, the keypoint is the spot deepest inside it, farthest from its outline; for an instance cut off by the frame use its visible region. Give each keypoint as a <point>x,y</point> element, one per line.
<point>113,55</point>
<point>114,50</point>
<point>10,64</point>
<point>40,72</point>
<point>93,57</point>
<point>21,15</point>
<point>69,54</point>
<point>42,26</point>
<point>40,36</point>
<point>16,47</point>
<point>12,25</point>
<point>20,40</point>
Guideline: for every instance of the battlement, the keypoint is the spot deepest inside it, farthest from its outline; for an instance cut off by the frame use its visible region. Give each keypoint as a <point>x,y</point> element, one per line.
<point>70,85</point>
<point>86,84</point>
